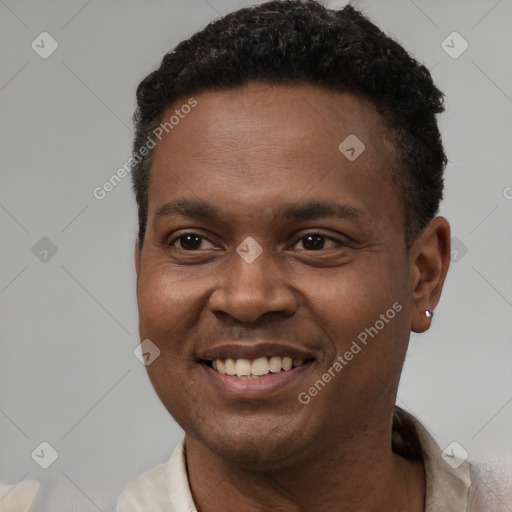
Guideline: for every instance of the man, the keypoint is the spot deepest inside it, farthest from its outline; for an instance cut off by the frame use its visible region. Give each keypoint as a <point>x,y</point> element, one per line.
<point>288,170</point>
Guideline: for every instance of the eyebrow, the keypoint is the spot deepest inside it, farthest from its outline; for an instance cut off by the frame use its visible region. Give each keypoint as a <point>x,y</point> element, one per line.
<point>300,210</point>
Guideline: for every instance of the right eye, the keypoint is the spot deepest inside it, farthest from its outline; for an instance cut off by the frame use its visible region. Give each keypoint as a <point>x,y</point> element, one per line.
<point>188,241</point>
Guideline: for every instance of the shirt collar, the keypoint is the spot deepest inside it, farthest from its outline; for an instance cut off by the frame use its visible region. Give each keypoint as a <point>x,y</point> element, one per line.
<point>447,487</point>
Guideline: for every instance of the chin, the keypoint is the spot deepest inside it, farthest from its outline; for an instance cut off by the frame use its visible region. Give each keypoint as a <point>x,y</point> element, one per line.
<point>255,443</point>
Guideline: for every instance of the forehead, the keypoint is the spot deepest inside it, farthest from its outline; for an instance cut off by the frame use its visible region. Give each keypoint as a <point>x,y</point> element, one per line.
<point>260,143</point>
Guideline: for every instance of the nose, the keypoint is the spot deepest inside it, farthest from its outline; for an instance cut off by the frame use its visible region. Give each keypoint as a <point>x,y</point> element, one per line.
<point>249,290</point>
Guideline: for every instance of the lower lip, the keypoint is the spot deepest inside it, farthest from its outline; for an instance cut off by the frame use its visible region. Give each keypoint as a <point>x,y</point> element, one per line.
<point>254,388</point>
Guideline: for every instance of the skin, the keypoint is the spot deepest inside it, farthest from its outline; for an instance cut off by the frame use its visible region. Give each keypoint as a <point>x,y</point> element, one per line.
<point>247,152</point>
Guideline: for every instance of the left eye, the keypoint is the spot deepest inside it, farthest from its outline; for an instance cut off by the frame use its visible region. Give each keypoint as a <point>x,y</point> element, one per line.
<point>316,241</point>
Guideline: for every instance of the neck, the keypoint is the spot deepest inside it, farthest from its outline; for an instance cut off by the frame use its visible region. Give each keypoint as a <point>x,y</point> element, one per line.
<point>345,474</point>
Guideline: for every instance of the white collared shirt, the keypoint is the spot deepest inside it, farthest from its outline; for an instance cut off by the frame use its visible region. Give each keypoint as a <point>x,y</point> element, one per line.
<point>165,488</point>
<point>18,497</point>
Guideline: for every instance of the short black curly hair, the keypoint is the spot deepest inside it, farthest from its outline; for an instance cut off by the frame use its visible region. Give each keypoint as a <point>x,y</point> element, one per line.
<point>303,42</point>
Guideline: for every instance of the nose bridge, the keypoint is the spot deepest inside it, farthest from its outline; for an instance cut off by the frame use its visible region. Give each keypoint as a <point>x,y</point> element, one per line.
<point>252,285</point>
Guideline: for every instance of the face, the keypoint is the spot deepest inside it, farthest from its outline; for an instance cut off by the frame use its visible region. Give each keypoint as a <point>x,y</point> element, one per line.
<point>268,252</point>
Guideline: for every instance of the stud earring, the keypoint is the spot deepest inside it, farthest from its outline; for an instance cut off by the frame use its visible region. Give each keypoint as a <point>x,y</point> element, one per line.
<point>429,314</point>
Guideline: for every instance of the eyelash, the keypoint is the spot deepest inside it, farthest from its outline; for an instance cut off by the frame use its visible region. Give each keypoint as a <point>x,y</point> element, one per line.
<point>338,242</point>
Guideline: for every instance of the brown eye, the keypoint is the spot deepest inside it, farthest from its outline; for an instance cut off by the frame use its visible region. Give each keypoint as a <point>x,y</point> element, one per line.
<point>317,241</point>
<point>313,242</point>
<point>189,242</point>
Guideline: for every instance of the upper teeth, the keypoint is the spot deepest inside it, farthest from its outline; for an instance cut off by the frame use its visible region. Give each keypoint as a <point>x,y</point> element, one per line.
<point>254,368</point>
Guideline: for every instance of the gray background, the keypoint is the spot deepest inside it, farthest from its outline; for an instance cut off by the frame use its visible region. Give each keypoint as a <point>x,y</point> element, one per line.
<point>68,375</point>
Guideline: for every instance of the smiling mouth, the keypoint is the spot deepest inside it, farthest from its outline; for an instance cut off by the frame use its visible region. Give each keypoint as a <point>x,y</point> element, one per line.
<point>255,368</point>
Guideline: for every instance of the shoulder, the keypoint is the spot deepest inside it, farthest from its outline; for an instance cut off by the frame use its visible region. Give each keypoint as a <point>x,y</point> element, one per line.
<point>481,486</point>
<point>491,487</point>
<point>148,489</point>
<point>18,496</point>
<point>164,488</point>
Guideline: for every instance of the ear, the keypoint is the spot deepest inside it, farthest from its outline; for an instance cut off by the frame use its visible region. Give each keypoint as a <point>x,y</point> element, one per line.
<point>137,256</point>
<point>429,262</point>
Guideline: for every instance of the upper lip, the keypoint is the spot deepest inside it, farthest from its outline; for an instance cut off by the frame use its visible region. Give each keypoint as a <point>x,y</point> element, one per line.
<point>254,350</point>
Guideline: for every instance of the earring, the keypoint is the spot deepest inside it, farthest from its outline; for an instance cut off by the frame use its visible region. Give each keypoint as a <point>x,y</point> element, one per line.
<point>429,314</point>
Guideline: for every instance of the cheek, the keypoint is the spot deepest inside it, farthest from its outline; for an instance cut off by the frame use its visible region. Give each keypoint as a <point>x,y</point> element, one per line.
<point>164,300</point>
<point>349,302</point>
<point>372,347</point>
<point>167,316</point>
